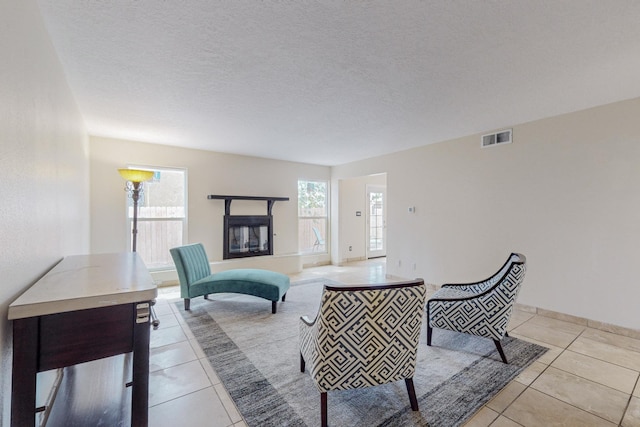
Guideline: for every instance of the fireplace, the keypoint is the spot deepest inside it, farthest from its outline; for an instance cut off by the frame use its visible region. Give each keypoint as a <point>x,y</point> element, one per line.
<point>247,235</point>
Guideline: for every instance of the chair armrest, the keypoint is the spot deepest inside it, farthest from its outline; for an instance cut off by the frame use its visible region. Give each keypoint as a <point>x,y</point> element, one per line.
<point>307,321</point>
<point>308,335</point>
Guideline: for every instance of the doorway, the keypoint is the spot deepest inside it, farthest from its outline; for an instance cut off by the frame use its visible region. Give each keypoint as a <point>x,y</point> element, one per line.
<point>376,221</point>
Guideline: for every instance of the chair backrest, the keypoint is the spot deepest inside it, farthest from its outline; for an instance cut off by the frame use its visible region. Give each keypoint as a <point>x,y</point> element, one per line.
<point>370,334</point>
<point>514,257</point>
<point>509,283</point>
<point>191,263</point>
<point>502,297</point>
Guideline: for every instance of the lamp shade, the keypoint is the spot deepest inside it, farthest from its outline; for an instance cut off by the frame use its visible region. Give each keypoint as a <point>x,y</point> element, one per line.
<point>136,175</point>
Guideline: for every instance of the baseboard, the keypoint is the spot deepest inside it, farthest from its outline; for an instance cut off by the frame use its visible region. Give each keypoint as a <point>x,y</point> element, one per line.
<point>602,326</point>
<point>316,264</point>
<point>349,260</point>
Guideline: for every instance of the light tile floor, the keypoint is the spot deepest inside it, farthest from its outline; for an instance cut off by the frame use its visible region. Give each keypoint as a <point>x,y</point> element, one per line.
<point>587,378</point>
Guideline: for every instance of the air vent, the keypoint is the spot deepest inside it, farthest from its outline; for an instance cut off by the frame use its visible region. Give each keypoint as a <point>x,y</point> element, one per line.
<point>491,139</point>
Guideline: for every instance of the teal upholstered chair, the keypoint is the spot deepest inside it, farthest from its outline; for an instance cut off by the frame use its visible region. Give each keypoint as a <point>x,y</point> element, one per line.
<point>194,273</point>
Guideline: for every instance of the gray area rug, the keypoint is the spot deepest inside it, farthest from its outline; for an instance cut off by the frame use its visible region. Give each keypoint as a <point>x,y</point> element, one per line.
<point>256,356</point>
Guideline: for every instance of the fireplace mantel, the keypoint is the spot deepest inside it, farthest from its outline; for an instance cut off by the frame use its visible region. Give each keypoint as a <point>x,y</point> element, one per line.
<point>227,201</point>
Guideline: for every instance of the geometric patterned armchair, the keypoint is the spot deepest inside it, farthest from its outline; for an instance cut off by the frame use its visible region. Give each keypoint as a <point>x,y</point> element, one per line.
<point>363,336</point>
<point>481,308</point>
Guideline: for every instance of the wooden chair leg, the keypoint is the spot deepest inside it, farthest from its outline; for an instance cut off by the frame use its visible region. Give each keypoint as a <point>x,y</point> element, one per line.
<point>499,347</point>
<point>429,332</point>
<point>412,393</point>
<point>187,304</point>
<point>206,296</point>
<point>302,364</point>
<point>284,296</point>
<point>273,307</point>
<point>323,409</point>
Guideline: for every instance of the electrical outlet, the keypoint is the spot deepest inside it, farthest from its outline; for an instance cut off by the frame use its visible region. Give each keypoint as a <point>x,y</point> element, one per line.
<point>350,248</point>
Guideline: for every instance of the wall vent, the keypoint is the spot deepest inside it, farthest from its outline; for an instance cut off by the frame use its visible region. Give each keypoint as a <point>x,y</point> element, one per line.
<point>501,137</point>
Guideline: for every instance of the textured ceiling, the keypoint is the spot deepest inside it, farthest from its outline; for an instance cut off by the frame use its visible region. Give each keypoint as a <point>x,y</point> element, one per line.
<point>329,82</point>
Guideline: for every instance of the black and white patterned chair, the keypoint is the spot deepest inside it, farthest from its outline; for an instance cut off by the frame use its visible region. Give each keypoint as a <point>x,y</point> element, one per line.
<point>363,336</point>
<point>480,308</point>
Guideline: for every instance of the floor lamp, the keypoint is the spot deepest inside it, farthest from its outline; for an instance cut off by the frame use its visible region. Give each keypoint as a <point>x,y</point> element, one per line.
<point>135,178</point>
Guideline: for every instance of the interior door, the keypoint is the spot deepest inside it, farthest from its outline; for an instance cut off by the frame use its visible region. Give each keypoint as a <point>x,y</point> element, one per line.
<point>376,221</point>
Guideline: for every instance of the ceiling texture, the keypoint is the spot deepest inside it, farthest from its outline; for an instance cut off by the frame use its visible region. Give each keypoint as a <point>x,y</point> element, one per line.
<point>334,81</point>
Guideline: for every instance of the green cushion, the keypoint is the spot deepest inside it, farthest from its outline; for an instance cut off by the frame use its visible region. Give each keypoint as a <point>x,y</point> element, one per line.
<point>261,283</point>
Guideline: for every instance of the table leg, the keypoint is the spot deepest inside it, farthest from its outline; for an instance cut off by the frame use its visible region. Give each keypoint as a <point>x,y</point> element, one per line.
<point>25,368</point>
<point>140,387</point>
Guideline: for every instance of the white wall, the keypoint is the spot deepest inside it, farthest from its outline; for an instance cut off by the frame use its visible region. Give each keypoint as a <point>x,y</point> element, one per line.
<point>207,173</point>
<point>44,164</point>
<point>566,193</point>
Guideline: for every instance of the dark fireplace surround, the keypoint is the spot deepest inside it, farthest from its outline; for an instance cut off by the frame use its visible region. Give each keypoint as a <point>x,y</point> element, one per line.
<point>247,235</point>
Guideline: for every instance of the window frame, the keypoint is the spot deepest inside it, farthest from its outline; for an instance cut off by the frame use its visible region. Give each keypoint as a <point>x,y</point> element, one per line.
<point>327,226</point>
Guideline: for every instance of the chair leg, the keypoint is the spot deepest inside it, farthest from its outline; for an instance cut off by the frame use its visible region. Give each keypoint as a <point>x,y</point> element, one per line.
<point>187,304</point>
<point>284,296</point>
<point>302,364</point>
<point>273,307</point>
<point>412,393</point>
<point>323,409</point>
<point>429,332</point>
<point>506,334</point>
<point>499,347</point>
<point>206,296</point>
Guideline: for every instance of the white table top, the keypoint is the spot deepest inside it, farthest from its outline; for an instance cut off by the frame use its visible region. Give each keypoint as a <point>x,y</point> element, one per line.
<point>87,281</point>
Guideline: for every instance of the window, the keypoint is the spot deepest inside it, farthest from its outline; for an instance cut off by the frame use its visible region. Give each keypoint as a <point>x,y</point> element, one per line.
<point>162,216</point>
<point>312,216</point>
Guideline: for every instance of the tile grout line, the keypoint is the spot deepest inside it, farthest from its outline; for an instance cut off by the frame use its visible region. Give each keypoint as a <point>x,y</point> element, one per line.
<point>180,397</point>
<point>211,384</point>
<point>560,400</point>
<point>528,386</point>
<point>626,408</point>
<point>502,412</point>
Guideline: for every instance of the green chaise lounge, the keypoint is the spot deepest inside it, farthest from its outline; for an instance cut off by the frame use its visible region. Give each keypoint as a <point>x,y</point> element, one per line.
<point>194,273</point>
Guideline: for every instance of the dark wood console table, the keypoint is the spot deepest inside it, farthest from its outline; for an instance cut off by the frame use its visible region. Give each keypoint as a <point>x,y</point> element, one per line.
<point>86,308</point>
